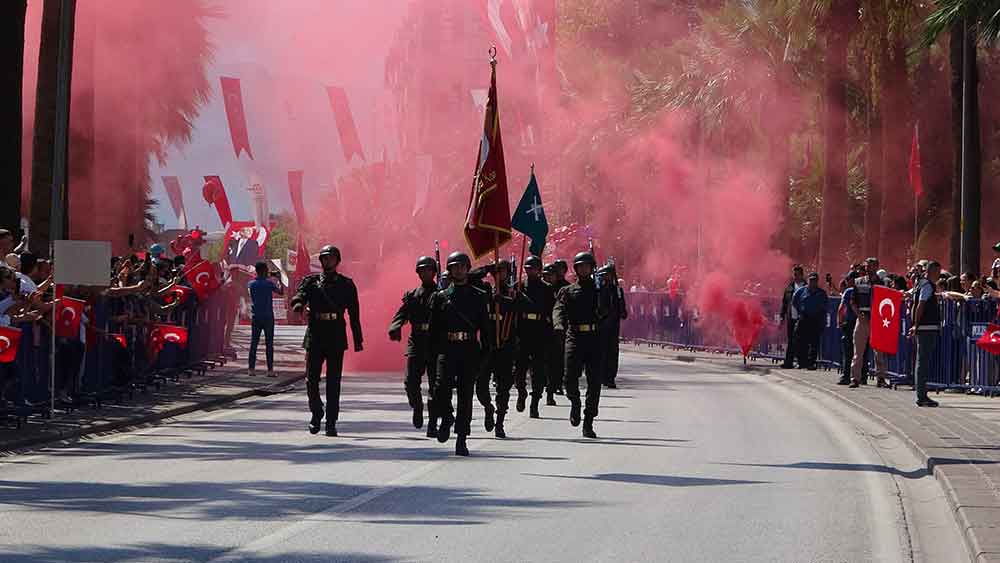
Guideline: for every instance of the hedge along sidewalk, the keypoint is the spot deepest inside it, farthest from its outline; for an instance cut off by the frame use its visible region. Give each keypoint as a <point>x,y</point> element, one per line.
<point>959,442</point>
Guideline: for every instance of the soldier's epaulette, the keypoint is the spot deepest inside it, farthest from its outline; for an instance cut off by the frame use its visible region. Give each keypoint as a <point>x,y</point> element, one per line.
<point>480,290</point>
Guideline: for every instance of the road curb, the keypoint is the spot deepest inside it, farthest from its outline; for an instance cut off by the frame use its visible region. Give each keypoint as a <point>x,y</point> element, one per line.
<point>977,542</point>
<point>147,419</point>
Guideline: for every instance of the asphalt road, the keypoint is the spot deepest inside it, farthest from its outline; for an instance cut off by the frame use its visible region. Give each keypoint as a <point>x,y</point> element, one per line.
<point>693,463</point>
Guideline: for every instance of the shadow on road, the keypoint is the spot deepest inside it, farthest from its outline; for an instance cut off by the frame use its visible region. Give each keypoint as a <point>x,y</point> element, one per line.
<point>659,480</point>
<point>827,466</point>
<point>171,552</point>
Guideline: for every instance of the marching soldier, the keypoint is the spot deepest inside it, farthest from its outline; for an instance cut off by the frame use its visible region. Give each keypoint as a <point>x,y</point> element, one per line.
<point>534,331</point>
<point>579,311</point>
<point>500,357</point>
<point>416,310</point>
<point>611,329</point>
<point>459,316</point>
<point>557,356</point>
<point>326,297</point>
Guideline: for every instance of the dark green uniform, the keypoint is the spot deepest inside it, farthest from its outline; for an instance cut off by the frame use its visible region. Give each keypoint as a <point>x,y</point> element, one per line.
<point>500,357</point>
<point>416,310</point>
<point>459,315</point>
<point>579,311</point>
<point>328,297</point>
<point>535,336</point>
<point>613,294</point>
<point>557,348</point>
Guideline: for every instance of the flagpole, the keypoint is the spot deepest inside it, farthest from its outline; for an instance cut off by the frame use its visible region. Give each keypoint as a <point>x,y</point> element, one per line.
<point>496,270</point>
<point>524,239</point>
<point>916,196</point>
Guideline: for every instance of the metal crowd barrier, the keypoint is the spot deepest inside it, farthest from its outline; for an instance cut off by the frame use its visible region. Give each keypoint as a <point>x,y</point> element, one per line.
<point>101,370</point>
<point>657,318</point>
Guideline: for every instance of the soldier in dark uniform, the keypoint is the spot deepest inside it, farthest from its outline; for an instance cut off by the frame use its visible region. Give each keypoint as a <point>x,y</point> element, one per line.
<point>459,315</point>
<point>534,332</point>
<point>611,329</point>
<point>326,297</point>
<point>416,310</point>
<point>580,309</point>
<point>557,356</point>
<point>499,361</point>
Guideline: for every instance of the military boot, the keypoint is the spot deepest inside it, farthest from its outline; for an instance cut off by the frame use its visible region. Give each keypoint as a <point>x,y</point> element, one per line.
<point>444,431</point>
<point>314,423</point>
<point>432,428</point>
<point>488,422</point>
<point>574,413</point>
<point>550,399</point>
<point>418,414</point>
<point>588,428</point>
<point>460,447</point>
<point>331,429</point>
<point>522,397</point>
<point>499,431</point>
<point>534,407</point>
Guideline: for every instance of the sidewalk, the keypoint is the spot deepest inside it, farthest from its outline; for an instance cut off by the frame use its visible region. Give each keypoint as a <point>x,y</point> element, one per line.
<point>219,386</point>
<point>959,441</point>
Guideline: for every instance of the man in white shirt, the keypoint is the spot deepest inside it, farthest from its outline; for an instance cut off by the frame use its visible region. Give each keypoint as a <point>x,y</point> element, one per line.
<point>29,268</point>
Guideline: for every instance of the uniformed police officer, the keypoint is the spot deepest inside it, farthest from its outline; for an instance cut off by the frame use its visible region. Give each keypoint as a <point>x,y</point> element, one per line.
<point>579,311</point>
<point>459,315</point>
<point>326,297</point>
<point>500,346</point>
<point>534,331</point>
<point>416,310</point>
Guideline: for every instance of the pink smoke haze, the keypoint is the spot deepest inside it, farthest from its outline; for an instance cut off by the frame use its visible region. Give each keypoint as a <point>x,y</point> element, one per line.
<point>411,72</point>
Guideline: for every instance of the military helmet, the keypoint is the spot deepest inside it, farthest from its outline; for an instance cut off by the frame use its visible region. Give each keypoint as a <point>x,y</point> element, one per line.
<point>560,265</point>
<point>330,250</point>
<point>459,258</point>
<point>426,262</point>
<point>533,262</point>
<point>584,258</point>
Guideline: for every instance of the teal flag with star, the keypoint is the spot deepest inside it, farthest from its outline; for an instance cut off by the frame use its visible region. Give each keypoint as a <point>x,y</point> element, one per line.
<point>529,217</point>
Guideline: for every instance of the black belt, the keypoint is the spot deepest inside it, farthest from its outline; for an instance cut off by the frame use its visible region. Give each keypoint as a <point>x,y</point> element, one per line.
<point>459,337</point>
<point>531,316</point>
<point>326,316</point>
<point>421,327</point>
<point>585,328</point>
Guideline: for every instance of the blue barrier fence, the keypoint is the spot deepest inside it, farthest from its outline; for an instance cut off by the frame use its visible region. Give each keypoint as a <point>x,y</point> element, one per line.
<point>100,370</point>
<point>659,318</point>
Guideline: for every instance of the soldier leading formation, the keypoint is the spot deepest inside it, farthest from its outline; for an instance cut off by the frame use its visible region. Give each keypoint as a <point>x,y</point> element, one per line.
<point>473,339</point>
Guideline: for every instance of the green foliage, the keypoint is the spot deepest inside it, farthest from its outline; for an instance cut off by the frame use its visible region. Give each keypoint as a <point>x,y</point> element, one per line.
<point>983,17</point>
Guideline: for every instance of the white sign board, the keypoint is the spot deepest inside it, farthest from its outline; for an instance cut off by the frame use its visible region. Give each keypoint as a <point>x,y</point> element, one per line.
<point>82,262</point>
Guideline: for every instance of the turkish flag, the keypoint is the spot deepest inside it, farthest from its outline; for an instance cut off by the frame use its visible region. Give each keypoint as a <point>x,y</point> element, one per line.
<point>487,223</point>
<point>916,178</point>
<point>295,191</point>
<point>170,333</point>
<point>120,339</point>
<point>990,340</point>
<point>69,313</point>
<point>215,194</point>
<point>232,96</point>
<point>887,307</point>
<point>9,340</point>
<point>349,139</point>
<point>202,278</point>
<point>302,261</point>
<point>179,293</point>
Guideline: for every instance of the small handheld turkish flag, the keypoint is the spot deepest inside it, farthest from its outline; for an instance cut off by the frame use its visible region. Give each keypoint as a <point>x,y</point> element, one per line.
<point>69,313</point>
<point>179,293</point>
<point>171,333</point>
<point>202,279</point>
<point>990,340</point>
<point>9,340</point>
<point>120,340</point>
<point>887,305</point>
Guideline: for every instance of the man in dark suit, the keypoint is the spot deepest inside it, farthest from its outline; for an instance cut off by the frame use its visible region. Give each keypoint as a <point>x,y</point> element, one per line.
<point>243,249</point>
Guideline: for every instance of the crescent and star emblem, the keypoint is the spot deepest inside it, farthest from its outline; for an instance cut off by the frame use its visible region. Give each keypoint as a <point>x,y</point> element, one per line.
<point>886,321</point>
<point>4,343</point>
<point>72,314</point>
<point>197,279</point>
<point>172,337</point>
<point>994,336</point>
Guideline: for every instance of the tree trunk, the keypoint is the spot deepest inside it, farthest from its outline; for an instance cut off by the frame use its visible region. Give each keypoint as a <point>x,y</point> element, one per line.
<point>43,145</point>
<point>876,180</point>
<point>833,226</point>
<point>896,237</point>
<point>972,165</point>
<point>12,14</point>
<point>955,56</point>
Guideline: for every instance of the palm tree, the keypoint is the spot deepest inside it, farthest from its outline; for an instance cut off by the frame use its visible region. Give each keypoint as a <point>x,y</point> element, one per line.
<point>12,14</point>
<point>965,20</point>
